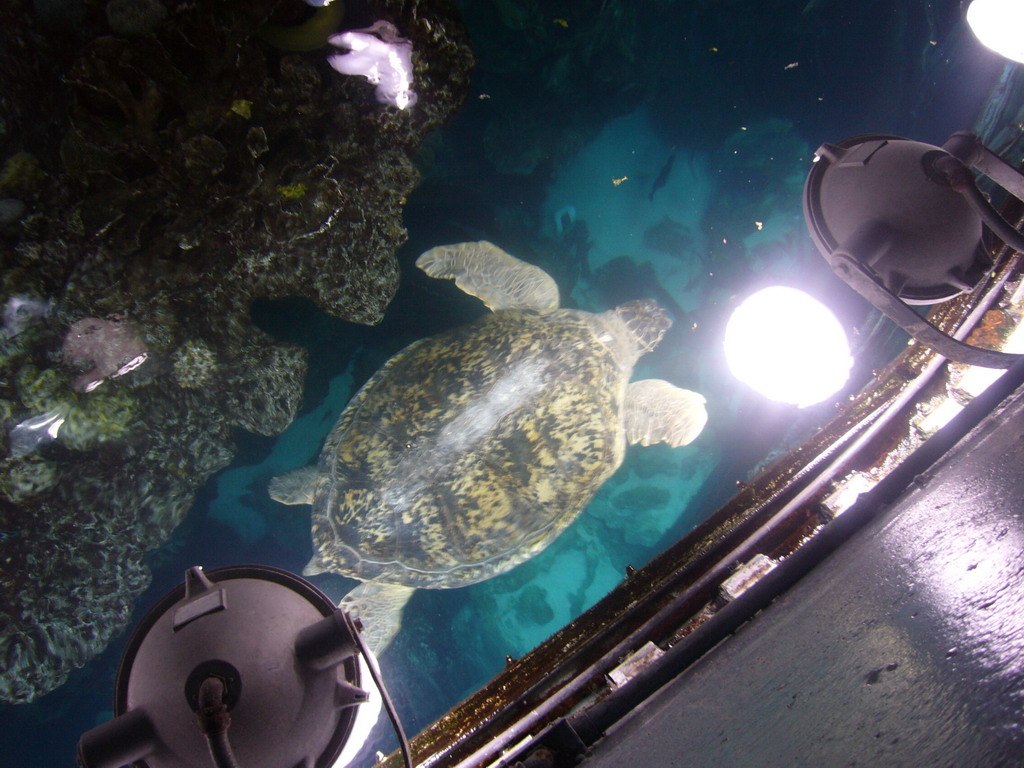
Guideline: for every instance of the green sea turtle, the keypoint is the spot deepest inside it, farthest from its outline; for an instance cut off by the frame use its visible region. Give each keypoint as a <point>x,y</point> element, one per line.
<point>469,452</point>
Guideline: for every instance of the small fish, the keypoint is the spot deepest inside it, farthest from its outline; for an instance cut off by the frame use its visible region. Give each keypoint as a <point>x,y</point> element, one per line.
<point>660,182</point>
<point>562,23</point>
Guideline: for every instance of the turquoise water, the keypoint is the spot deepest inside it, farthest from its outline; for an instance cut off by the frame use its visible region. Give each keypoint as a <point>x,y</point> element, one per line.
<point>573,112</point>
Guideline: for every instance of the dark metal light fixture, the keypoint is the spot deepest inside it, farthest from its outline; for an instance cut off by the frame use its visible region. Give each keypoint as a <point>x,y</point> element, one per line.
<point>903,222</point>
<point>246,663</point>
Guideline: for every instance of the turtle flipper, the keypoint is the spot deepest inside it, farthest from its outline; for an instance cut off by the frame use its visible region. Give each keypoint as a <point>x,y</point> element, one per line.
<point>295,487</point>
<point>379,608</point>
<point>499,280</point>
<point>658,412</point>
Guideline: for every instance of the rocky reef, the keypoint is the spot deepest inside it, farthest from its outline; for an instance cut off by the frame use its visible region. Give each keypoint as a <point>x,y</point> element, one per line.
<point>162,165</point>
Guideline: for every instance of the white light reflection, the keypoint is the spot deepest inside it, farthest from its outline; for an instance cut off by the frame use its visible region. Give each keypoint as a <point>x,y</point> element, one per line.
<point>970,574</point>
<point>938,416</point>
<point>367,715</point>
<point>976,379</point>
<point>382,57</point>
<point>788,346</point>
<point>847,492</point>
<point>969,381</point>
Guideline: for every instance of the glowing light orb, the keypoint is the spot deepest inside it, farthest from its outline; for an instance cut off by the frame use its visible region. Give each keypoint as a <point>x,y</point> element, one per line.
<point>788,346</point>
<point>999,25</point>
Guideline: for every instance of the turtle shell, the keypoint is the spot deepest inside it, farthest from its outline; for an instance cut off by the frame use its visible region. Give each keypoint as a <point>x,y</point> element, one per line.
<point>469,452</point>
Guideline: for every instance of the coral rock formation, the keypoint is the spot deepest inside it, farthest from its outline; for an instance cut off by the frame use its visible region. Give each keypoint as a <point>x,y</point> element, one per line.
<point>105,348</point>
<point>147,168</point>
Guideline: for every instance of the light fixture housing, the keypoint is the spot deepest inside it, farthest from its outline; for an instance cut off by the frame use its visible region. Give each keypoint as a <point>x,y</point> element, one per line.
<point>870,196</point>
<point>284,654</point>
<point>903,223</point>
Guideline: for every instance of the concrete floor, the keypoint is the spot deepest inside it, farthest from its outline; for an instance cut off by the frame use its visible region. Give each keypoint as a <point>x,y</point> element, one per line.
<point>905,647</point>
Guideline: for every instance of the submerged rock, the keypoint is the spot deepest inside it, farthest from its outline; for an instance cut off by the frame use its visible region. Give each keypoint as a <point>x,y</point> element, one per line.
<point>133,18</point>
<point>532,606</point>
<point>641,498</point>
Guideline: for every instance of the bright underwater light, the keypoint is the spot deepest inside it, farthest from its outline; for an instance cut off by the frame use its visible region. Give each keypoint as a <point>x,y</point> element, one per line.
<point>999,25</point>
<point>788,346</point>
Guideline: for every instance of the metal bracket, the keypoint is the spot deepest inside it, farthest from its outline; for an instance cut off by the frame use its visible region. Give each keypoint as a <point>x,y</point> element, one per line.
<point>858,277</point>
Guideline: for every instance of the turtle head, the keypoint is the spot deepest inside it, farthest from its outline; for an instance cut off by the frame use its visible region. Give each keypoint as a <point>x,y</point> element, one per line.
<point>633,329</point>
<point>645,321</point>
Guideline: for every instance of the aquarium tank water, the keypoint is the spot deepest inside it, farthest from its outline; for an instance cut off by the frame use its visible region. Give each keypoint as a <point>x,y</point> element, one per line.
<point>212,218</point>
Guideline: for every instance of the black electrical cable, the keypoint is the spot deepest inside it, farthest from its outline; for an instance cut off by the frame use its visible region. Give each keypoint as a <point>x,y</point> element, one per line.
<point>214,721</point>
<point>951,172</point>
<point>999,226</point>
<point>388,704</point>
<point>220,750</point>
